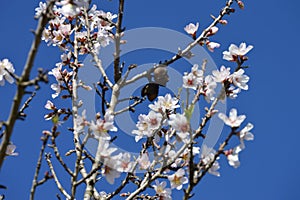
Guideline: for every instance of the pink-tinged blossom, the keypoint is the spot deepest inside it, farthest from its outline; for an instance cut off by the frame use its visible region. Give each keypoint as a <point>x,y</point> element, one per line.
<point>212,45</point>
<point>125,165</point>
<point>191,28</point>
<point>5,66</point>
<point>233,156</point>
<point>209,90</point>
<point>234,52</point>
<point>233,120</point>
<point>147,125</point>
<point>50,106</point>
<point>222,74</point>
<point>102,126</point>
<point>165,103</point>
<point>70,8</point>
<point>110,170</point>
<point>180,123</point>
<point>241,4</point>
<point>154,120</point>
<point>161,190</point>
<point>56,72</point>
<point>144,161</point>
<point>10,150</point>
<point>105,150</point>
<point>223,21</point>
<point>190,81</point>
<point>81,122</point>
<point>245,134</point>
<point>178,179</point>
<point>142,126</point>
<point>212,31</point>
<point>232,92</point>
<point>240,80</point>
<point>198,73</point>
<point>207,157</point>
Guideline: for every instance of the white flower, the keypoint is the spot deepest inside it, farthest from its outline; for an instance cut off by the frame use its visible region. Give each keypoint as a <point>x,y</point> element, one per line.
<point>213,31</point>
<point>142,126</point>
<point>244,134</point>
<point>233,157</point>
<point>81,121</point>
<point>154,120</point>
<point>56,88</point>
<point>240,80</point>
<point>49,105</point>
<point>144,161</point>
<point>234,51</point>
<point>165,103</point>
<point>180,123</point>
<point>161,190</point>
<point>10,150</point>
<point>233,120</point>
<point>207,156</point>
<point>210,86</point>
<point>191,28</point>
<point>70,8</point>
<point>56,72</point>
<point>190,81</point>
<point>105,150</point>
<point>125,165</point>
<point>198,73</point>
<point>178,179</point>
<point>233,92</point>
<point>40,10</point>
<point>6,65</point>
<point>102,126</point>
<point>212,45</point>
<point>109,170</point>
<point>222,74</point>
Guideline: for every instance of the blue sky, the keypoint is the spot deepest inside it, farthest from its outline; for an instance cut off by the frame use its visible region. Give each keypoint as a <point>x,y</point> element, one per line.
<point>269,165</point>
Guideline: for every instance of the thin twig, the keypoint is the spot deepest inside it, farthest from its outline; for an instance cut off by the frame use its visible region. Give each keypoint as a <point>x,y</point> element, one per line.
<point>35,183</point>
<point>58,184</point>
<point>58,156</point>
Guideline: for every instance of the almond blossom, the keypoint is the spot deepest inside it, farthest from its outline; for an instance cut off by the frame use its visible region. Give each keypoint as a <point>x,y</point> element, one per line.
<point>222,74</point>
<point>207,157</point>
<point>180,123</point>
<point>102,126</point>
<point>191,28</point>
<point>161,190</point>
<point>178,179</point>
<point>10,150</point>
<point>166,103</point>
<point>40,10</point>
<point>234,52</point>
<point>233,120</point>
<point>233,156</point>
<point>190,81</point>
<point>240,80</point>
<point>212,45</point>
<point>245,134</point>
<point>6,67</point>
<point>144,161</point>
<point>110,170</point>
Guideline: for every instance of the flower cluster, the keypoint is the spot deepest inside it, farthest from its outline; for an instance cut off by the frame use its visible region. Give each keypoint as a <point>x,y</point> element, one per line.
<point>61,31</point>
<point>235,121</point>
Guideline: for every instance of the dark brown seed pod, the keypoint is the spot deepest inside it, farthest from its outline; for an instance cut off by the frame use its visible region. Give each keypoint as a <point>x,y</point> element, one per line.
<point>150,90</point>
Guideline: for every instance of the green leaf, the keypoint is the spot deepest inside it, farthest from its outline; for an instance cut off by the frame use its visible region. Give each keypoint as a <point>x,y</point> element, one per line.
<point>189,112</point>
